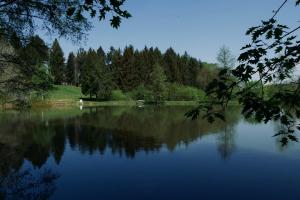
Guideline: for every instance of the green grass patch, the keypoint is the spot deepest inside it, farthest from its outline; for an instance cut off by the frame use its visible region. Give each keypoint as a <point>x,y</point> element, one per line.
<point>65,92</point>
<point>69,96</point>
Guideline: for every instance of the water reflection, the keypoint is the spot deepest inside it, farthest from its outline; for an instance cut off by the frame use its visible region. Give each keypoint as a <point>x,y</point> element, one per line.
<point>123,131</point>
<point>28,184</point>
<point>49,138</point>
<point>226,142</point>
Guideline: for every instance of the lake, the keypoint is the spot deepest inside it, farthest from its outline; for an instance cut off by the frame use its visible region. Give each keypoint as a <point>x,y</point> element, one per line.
<point>142,153</point>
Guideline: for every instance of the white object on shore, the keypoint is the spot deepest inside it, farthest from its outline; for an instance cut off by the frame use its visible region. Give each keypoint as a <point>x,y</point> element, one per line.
<point>80,104</point>
<point>140,103</point>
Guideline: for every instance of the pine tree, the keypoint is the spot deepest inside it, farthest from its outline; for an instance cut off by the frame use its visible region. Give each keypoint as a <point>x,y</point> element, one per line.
<point>100,73</point>
<point>96,76</point>
<point>128,70</point>
<point>171,66</point>
<point>80,59</point>
<point>56,62</point>
<point>186,75</point>
<point>37,50</point>
<point>105,83</point>
<point>114,61</point>
<point>70,69</point>
<point>35,54</point>
<point>194,67</point>
<point>154,57</point>
<point>144,66</point>
<point>88,76</point>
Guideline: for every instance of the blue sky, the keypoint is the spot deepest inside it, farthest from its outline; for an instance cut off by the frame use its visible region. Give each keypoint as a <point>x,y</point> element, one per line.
<point>199,27</point>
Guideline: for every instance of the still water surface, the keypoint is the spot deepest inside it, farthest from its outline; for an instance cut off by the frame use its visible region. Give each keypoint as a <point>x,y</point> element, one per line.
<point>142,153</point>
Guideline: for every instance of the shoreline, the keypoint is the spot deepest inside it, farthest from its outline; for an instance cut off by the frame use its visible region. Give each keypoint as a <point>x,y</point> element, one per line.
<point>67,103</point>
<point>72,103</point>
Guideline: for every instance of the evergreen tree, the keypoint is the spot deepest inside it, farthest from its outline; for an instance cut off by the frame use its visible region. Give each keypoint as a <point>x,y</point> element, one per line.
<point>37,50</point>
<point>70,69</point>
<point>56,62</point>
<point>96,76</point>
<point>194,68</point>
<point>128,70</point>
<point>88,76</point>
<point>171,66</point>
<point>158,86</point>
<point>154,57</point>
<point>145,60</point>
<point>114,60</point>
<point>105,83</point>
<point>157,56</point>
<point>80,59</point>
<point>35,55</point>
<point>186,75</point>
<point>100,73</point>
<point>144,66</point>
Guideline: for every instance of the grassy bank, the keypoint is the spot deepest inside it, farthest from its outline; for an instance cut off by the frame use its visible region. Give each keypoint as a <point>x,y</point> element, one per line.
<point>69,96</point>
<point>64,96</point>
<point>64,92</point>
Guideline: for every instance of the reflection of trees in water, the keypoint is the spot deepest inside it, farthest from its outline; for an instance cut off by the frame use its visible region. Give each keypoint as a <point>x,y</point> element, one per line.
<point>28,184</point>
<point>226,143</point>
<point>226,137</point>
<point>123,131</point>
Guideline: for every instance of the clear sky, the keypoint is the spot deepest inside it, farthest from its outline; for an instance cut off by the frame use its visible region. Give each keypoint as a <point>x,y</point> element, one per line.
<point>199,27</point>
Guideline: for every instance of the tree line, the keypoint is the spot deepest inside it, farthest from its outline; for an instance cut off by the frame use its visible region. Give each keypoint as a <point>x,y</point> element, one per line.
<point>145,74</point>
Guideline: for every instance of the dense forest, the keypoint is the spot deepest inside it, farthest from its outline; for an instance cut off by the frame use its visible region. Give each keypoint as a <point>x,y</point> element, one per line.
<point>119,74</point>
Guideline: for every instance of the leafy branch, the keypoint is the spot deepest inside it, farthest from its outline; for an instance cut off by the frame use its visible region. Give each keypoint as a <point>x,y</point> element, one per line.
<point>269,60</point>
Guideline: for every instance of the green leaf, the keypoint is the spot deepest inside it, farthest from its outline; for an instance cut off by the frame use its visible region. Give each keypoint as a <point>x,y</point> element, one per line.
<point>293,138</point>
<point>269,34</point>
<point>278,49</point>
<point>278,33</point>
<point>284,141</point>
<point>93,13</point>
<point>115,22</point>
<point>71,11</point>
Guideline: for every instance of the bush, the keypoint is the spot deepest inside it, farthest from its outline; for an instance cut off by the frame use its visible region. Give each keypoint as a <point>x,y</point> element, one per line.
<point>118,95</point>
<point>141,93</point>
<point>175,92</point>
<point>178,92</point>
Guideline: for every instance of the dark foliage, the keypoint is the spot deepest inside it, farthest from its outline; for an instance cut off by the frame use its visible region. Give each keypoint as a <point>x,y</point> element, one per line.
<point>130,69</point>
<point>270,58</point>
<point>20,20</point>
<point>67,18</point>
<point>57,62</point>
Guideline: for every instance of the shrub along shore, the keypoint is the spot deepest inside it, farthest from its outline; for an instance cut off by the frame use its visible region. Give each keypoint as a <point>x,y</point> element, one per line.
<point>66,96</point>
<point>63,95</point>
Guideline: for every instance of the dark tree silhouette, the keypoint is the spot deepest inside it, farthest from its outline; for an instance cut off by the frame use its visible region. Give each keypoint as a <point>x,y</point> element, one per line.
<point>70,70</point>
<point>57,63</point>
<point>66,18</point>
<point>20,20</point>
